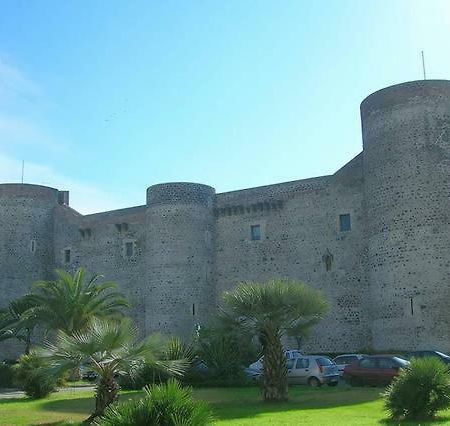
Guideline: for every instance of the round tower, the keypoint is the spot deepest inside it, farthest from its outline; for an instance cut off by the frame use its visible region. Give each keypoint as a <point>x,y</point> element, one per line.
<point>406,139</point>
<point>26,236</point>
<point>180,252</point>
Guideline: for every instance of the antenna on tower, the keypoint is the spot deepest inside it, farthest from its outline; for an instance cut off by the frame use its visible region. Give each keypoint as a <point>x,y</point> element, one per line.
<point>23,168</point>
<point>423,66</point>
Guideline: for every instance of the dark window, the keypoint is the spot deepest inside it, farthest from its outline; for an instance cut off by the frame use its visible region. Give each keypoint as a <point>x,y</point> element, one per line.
<point>129,249</point>
<point>193,309</point>
<point>368,363</point>
<point>67,256</point>
<point>33,246</point>
<point>387,364</point>
<point>290,364</point>
<point>255,231</point>
<point>302,363</point>
<point>345,222</point>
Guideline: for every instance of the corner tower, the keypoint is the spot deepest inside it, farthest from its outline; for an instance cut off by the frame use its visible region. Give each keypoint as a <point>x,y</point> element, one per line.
<point>180,256</point>
<point>406,139</point>
<point>26,236</point>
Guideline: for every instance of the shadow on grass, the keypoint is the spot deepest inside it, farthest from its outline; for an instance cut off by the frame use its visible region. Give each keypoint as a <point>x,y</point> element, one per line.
<point>247,403</point>
<point>435,421</point>
<point>82,405</point>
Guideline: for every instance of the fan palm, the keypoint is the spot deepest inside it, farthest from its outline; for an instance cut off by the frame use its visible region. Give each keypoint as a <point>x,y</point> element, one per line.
<point>16,322</point>
<point>111,349</point>
<point>270,311</point>
<point>70,302</point>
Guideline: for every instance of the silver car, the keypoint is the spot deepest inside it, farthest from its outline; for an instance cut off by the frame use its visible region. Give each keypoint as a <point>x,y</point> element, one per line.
<point>312,370</point>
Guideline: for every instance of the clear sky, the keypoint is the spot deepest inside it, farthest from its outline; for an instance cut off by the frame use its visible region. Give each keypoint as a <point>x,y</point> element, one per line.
<point>105,98</point>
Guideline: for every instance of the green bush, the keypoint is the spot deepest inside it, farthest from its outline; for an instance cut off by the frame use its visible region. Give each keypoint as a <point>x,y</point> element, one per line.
<point>168,404</point>
<point>226,350</point>
<point>31,376</point>
<point>143,376</point>
<point>420,390</point>
<point>6,375</point>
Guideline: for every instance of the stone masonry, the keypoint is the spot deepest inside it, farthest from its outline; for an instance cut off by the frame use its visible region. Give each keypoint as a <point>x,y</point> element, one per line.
<point>374,237</point>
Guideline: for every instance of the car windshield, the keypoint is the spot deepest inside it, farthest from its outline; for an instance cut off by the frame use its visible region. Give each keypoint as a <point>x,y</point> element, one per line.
<point>324,362</point>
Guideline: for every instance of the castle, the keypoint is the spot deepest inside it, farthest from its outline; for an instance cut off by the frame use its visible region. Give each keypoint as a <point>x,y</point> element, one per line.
<point>374,236</point>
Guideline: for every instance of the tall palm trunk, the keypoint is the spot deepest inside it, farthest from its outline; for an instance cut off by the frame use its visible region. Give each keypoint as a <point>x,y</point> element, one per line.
<point>275,386</point>
<point>107,392</point>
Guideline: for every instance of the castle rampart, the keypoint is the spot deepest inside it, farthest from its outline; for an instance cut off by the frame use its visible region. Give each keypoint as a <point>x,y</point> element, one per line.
<point>374,236</point>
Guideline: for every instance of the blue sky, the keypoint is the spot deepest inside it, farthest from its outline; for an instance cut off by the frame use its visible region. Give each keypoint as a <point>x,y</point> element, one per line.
<point>105,98</point>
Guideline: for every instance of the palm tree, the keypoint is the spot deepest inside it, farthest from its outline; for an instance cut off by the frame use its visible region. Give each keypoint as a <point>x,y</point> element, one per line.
<point>17,322</point>
<point>70,302</point>
<point>110,348</point>
<point>271,311</point>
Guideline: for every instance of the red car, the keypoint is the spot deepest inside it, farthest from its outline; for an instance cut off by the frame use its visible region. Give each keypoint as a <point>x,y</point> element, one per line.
<point>374,370</point>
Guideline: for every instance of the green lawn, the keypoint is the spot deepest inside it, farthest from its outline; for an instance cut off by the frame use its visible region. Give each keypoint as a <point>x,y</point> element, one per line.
<point>232,406</point>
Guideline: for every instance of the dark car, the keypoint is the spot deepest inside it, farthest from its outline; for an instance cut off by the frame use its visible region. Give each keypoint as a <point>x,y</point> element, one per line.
<point>428,354</point>
<point>374,370</point>
<point>343,360</point>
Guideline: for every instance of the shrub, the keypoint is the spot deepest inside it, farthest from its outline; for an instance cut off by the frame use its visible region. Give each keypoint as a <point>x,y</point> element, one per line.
<point>226,351</point>
<point>420,390</point>
<point>6,375</point>
<point>31,375</point>
<point>167,404</point>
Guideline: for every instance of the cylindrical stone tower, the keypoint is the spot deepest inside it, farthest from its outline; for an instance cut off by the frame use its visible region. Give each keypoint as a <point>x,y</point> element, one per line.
<point>180,256</point>
<point>406,138</point>
<point>26,242</point>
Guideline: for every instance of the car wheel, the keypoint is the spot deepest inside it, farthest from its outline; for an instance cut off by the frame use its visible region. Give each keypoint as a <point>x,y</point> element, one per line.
<point>314,382</point>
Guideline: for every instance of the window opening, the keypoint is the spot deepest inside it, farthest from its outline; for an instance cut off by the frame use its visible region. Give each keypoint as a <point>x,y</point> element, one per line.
<point>255,231</point>
<point>345,222</point>
<point>129,249</point>
<point>67,256</point>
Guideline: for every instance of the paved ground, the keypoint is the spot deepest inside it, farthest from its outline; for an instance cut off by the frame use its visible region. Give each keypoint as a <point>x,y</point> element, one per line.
<point>15,393</point>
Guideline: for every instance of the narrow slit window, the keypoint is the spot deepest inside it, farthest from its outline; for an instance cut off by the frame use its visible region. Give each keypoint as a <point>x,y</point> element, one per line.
<point>411,303</point>
<point>255,232</point>
<point>33,246</point>
<point>345,222</point>
<point>129,249</point>
<point>67,256</point>
<point>193,309</point>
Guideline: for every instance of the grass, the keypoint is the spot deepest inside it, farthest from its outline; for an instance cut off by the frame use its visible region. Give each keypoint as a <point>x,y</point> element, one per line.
<point>232,406</point>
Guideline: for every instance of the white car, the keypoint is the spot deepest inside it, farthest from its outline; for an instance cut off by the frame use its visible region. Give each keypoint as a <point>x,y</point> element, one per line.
<point>289,354</point>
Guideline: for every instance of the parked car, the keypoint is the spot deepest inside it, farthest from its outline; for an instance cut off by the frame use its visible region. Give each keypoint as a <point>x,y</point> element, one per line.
<point>289,354</point>
<point>428,354</point>
<point>374,370</point>
<point>343,360</point>
<point>313,370</point>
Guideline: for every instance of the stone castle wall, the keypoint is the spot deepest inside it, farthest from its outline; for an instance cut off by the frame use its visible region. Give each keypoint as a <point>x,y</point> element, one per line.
<point>386,278</point>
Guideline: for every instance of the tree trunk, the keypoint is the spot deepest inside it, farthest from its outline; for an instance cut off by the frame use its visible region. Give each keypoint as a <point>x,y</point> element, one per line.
<point>107,392</point>
<point>275,386</point>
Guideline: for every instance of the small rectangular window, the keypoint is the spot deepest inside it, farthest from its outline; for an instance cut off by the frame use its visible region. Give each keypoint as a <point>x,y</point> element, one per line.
<point>67,256</point>
<point>255,231</point>
<point>345,222</point>
<point>129,249</point>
